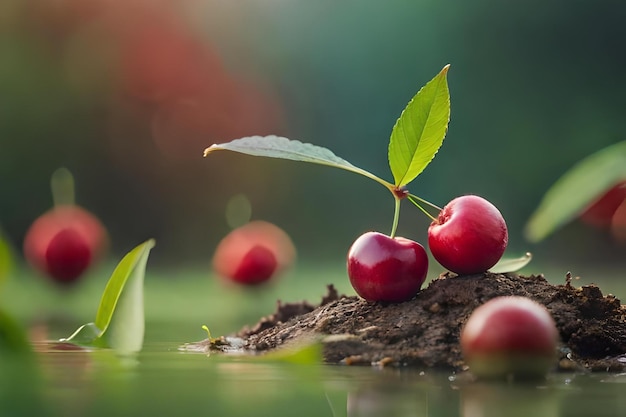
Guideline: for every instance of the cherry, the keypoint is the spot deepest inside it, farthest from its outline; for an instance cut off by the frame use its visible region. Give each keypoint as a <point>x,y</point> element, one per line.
<point>387,269</point>
<point>509,336</point>
<point>600,213</point>
<point>469,235</point>
<point>64,242</point>
<point>68,256</point>
<point>257,266</point>
<point>618,223</point>
<point>253,253</point>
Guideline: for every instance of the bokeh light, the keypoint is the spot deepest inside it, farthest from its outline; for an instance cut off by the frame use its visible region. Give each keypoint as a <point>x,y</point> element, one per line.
<point>127,94</point>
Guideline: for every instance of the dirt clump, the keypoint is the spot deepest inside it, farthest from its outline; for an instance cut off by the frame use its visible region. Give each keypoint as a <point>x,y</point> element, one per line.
<point>424,332</point>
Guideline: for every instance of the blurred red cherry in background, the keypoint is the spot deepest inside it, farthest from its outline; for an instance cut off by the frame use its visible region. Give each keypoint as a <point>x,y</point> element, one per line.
<point>253,253</point>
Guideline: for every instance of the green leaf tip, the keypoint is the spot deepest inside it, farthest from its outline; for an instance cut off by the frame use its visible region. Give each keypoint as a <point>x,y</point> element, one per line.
<point>576,190</point>
<point>511,264</point>
<point>120,322</point>
<point>116,283</point>
<point>420,130</point>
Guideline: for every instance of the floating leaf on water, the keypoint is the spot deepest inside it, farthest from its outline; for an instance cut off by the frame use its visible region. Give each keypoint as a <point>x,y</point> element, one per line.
<point>85,335</point>
<point>120,318</point>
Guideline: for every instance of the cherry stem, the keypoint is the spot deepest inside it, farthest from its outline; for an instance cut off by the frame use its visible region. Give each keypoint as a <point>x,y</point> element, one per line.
<point>428,203</point>
<point>396,217</point>
<point>62,186</point>
<point>413,199</point>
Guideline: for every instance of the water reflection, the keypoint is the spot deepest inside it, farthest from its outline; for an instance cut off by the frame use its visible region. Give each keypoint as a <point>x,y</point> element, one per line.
<point>21,386</point>
<point>373,400</point>
<point>492,399</point>
<point>163,381</point>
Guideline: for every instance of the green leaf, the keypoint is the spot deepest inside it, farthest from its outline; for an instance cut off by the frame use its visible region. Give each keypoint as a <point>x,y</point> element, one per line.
<point>304,353</point>
<point>420,130</point>
<point>120,319</point>
<point>85,335</point>
<point>576,190</point>
<point>6,259</point>
<point>511,264</point>
<point>283,148</point>
<point>121,306</point>
<point>13,338</point>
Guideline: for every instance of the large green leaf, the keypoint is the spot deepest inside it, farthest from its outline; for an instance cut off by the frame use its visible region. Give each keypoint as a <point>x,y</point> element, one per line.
<point>6,259</point>
<point>419,132</point>
<point>283,148</point>
<point>120,319</point>
<point>13,338</point>
<point>583,184</point>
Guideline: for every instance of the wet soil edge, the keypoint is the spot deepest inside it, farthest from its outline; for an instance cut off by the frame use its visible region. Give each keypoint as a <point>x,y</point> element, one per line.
<point>424,332</point>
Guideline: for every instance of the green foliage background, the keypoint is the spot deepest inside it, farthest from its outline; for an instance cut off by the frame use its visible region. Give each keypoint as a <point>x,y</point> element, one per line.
<point>535,86</point>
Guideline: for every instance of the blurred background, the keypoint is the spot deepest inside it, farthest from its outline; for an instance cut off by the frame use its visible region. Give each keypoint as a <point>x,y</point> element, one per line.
<point>127,94</point>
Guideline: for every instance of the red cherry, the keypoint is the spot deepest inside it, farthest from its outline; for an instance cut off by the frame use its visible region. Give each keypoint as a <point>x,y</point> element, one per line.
<point>86,230</point>
<point>618,223</point>
<point>600,213</point>
<point>68,256</point>
<point>256,266</point>
<point>469,235</point>
<point>509,336</point>
<point>253,253</point>
<point>388,269</point>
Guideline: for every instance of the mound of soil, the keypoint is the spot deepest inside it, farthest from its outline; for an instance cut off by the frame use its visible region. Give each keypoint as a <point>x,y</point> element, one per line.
<point>424,332</point>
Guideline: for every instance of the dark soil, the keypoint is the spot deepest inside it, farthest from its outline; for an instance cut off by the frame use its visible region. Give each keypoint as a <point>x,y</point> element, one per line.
<point>424,332</point>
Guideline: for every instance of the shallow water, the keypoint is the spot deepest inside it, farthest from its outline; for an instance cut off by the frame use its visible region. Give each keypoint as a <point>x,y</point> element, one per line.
<point>163,381</point>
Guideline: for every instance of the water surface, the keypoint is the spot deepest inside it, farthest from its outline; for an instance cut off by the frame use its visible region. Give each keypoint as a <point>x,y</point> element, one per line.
<point>163,381</point>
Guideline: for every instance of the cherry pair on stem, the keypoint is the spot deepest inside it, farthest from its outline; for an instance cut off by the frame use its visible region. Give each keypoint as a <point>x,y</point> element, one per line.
<point>468,236</point>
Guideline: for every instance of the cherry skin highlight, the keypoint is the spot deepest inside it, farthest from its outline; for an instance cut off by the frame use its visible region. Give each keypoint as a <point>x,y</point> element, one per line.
<point>253,254</point>
<point>64,242</point>
<point>469,236</point>
<point>509,336</point>
<point>386,269</point>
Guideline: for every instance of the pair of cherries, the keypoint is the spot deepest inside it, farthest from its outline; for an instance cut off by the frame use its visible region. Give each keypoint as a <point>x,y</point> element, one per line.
<point>469,236</point>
